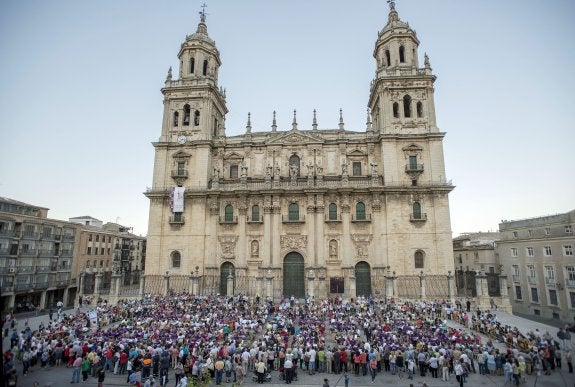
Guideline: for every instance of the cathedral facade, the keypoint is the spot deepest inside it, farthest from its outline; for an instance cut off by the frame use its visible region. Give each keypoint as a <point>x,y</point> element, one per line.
<point>306,211</point>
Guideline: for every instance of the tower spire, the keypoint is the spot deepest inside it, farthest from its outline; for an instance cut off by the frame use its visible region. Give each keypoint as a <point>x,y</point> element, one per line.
<point>341,127</point>
<point>203,13</point>
<point>294,122</point>
<point>249,125</point>
<point>274,124</point>
<point>314,123</point>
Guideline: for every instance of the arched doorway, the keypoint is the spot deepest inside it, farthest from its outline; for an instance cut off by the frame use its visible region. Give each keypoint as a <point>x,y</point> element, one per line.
<point>226,269</point>
<point>362,279</point>
<point>293,274</point>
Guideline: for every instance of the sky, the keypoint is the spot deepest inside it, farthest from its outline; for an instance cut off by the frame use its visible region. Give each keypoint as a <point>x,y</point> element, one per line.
<point>80,100</point>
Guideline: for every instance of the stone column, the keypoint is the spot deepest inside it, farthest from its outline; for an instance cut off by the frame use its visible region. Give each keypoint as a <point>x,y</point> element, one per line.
<point>322,293</point>
<point>389,289</point>
<point>116,284</point>
<point>260,286</point>
<point>352,290</point>
<point>230,285</point>
<point>66,296</point>
<point>97,285</point>
<point>450,287</point>
<point>482,292</point>
<point>43,300</point>
<point>142,286</point>
<point>310,283</point>
<point>191,287</point>
<point>269,284</point>
<point>421,285</point>
<point>81,284</point>
<point>505,303</point>
<point>166,283</point>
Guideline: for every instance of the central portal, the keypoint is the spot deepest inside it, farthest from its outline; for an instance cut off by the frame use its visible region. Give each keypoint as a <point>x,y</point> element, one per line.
<point>293,273</point>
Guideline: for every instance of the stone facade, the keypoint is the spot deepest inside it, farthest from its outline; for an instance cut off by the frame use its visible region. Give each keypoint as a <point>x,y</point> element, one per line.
<point>306,208</point>
<point>110,258</point>
<point>37,257</point>
<point>537,254</point>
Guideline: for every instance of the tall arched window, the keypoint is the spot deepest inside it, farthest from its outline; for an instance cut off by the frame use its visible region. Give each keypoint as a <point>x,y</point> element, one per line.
<point>192,65</point>
<point>360,211</point>
<point>416,210</point>
<point>418,258</point>
<point>395,110</point>
<point>186,121</point>
<point>176,259</point>
<point>176,118</point>
<point>293,211</point>
<point>407,106</point>
<point>205,68</point>
<point>196,118</point>
<point>229,213</point>
<point>401,54</point>
<point>419,109</point>
<point>387,58</point>
<point>255,213</point>
<point>294,165</point>
<point>332,214</point>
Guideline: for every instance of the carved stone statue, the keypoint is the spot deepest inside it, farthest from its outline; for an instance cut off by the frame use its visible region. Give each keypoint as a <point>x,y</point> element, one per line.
<point>373,166</point>
<point>269,170</point>
<point>309,169</point>
<point>344,169</point>
<point>244,170</point>
<point>216,173</point>
<point>255,248</point>
<point>294,170</point>
<point>333,249</point>
<point>277,170</point>
<point>319,170</point>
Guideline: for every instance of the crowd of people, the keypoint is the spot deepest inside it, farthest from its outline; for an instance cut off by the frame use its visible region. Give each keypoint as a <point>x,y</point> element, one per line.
<point>169,340</point>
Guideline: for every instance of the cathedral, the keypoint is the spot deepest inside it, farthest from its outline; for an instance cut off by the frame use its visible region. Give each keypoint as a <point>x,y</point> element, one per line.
<point>306,211</point>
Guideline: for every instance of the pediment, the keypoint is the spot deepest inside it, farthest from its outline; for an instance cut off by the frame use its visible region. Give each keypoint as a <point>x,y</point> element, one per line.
<point>412,148</point>
<point>295,137</point>
<point>233,156</point>
<point>181,155</point>
<point>356,152</point>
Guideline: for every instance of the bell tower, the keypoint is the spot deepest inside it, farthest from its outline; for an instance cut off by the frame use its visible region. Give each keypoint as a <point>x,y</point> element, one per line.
<point>194,104</point>
<point>401,95</point>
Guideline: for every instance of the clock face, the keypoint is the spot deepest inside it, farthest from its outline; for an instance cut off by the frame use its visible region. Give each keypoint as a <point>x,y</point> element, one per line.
<point>181,139</point>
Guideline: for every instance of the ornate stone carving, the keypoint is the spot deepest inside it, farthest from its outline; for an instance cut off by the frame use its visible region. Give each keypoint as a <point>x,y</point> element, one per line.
<point>361,242</point>
<point>228,246</point>
<point>293,242</point>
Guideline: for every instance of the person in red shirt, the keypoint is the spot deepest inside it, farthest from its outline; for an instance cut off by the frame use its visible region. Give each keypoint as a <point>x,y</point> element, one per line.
<point>343,360</point>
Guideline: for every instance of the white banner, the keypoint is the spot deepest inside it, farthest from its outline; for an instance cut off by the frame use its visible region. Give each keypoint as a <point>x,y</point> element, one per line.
<point>178,199</point>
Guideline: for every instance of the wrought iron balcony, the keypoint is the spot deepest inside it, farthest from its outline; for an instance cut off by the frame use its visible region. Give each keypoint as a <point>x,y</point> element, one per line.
<point>232,220</point>
<point>29,253</point>
<point>23,286</point>
<point>421,218</point>
<point>42,269</point>
<point>516,278</point>
<point>550,281</point>
<point>25,269</point>
<point>570,282</point>
<point>30,235</point>
<point>532,280</point>
<point>418,168</point>
<point>46,253</point>
<point>337,218</point>
<point>41,285</point>
<point>7,288</point>
<point>258,220</point>
<point>286,219</point>
<point>177,219</point>
<point>364,218</point>
<point>178,173</point>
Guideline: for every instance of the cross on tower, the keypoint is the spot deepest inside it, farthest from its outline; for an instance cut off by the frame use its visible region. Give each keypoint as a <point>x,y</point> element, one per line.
<point>203,12</point>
